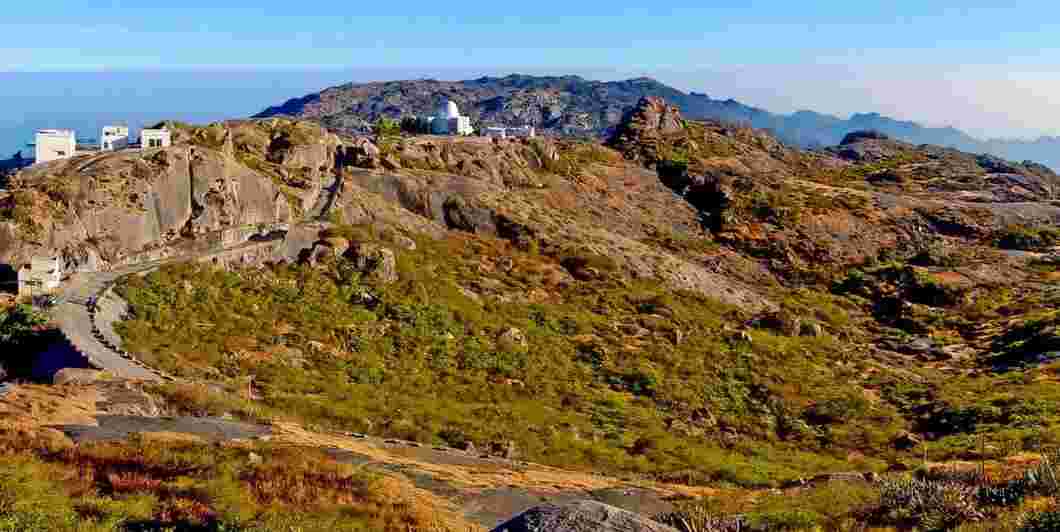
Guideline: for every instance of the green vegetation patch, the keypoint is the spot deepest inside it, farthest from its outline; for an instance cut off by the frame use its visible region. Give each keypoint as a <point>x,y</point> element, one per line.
<point>614,375</point>
<point>155,484</point>
<point>1028,238</point>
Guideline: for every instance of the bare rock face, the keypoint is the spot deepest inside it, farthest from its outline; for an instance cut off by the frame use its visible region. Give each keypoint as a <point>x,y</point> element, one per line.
<point>120,204</point>
<point>512,163</point>
<point>76,376</point>
<point>651,119</point>
<point>329,248</point>
<point>512,339</point>
<point>581,516</point>
<point>126,398</point>
<point>377,262</point>
<point>101,210</point>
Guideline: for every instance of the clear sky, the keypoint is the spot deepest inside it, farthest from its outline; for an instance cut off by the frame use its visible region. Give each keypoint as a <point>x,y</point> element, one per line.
<point>990,68</point>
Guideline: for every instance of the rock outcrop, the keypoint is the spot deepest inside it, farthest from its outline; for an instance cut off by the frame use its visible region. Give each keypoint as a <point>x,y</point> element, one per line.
<point>644,127</point>
<point>376,262</point>
<point>581,516</point>
<point>214,184</point>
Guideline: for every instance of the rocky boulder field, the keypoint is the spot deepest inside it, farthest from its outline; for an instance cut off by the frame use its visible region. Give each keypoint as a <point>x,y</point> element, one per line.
<point>688,326</point>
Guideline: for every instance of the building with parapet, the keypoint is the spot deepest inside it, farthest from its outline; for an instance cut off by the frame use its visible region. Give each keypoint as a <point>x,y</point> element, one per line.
<point>155,138</point>
<point>41,276</point>
<point>55,144</point>
<point>447,121</point>
<point>114,138</point>
<point>524,132</point>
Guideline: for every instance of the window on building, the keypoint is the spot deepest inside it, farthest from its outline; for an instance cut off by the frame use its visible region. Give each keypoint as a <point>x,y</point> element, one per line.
<point>60,153</point>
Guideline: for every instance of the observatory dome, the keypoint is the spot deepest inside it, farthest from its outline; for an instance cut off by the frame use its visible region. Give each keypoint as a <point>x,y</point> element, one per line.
<point>448,109</point>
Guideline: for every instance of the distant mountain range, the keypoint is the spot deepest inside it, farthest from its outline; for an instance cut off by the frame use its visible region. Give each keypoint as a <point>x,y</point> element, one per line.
<point>572,105</point>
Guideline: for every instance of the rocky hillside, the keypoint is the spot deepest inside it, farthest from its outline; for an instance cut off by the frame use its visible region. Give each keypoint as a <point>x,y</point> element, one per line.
<point>693,307</point>
<point>575,106</point>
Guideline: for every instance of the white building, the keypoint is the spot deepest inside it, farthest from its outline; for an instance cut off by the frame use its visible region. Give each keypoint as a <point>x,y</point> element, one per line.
<point>54,144</point>
<point>525,132</point>
<point>42,275</point>
<point>114,138</point>
<point>155,138</point>
<point>449,121</point>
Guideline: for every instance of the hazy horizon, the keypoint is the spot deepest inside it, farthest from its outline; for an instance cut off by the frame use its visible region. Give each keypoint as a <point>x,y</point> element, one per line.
<point>982,69</point>
<point>86,100</point>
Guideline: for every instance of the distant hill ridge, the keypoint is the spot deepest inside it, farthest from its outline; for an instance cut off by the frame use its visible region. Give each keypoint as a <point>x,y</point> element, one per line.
<point>572,105</point>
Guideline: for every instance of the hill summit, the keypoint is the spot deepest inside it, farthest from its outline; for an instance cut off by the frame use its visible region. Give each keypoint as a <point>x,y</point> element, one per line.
<point>572,105</point>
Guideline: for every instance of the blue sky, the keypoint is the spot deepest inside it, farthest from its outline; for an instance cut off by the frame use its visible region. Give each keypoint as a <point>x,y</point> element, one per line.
<point>989,68</point>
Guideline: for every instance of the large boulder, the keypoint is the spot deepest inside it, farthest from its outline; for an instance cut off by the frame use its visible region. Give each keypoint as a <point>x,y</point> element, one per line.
<point>513,340</point>
<point>377,262</point>
<point>858,136</point>
<point>581,516</point>
<point>76,376</point>
<point>638,133</point>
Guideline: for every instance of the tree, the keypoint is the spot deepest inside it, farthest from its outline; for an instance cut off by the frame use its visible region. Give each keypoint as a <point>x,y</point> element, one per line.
<point>387,127</point>
<point>19,339</point>
<point>410,125</point>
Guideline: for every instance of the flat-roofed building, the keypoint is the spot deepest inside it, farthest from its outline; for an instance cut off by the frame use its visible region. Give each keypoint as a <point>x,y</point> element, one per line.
<point>55,144</point>
<point>449,121</point>
<point>41,276</point>
<point>526,132</point>
<point>155,138</point>
<point>114,138</point>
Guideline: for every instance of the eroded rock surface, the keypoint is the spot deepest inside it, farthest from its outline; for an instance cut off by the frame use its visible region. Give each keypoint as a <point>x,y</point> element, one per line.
<point>581,516</point>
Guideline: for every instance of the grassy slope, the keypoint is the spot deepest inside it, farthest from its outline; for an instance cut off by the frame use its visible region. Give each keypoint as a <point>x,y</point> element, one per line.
<point>161,483</point>
<point>623,375</point>
<point>425,364</point>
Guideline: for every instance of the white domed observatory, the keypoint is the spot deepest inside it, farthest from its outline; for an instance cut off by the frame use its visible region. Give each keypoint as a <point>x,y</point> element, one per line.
<point>449,121</point>
<point>449,110</point>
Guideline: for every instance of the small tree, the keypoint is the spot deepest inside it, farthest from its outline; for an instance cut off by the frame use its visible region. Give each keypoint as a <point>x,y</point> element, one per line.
<point>410,125</point>
<point>387,127</point>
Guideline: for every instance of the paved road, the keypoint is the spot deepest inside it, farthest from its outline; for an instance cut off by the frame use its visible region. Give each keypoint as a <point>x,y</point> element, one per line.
<point>75,320</point>
<point>92,334</point>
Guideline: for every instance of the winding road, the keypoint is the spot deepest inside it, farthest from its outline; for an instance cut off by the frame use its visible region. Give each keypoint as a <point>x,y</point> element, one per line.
<point>76,318</point>
<point>88,309</point>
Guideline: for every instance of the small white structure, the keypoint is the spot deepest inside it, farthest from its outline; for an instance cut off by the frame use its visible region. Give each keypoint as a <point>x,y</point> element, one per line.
<point>55,144</point>
<point>114,138</point>
<point>448,121</point>
<point>155,138</point>
<point>525,132</point>
<point>41,276</point>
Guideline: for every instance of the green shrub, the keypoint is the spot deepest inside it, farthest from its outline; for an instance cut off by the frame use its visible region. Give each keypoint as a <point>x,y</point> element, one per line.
<point>386,127</point>
<point>1042,522</point>
<point>30,502</point>
<point>1028,238</point>
<point>784,520</point>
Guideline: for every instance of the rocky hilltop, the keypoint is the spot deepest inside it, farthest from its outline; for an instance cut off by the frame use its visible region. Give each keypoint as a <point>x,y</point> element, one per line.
<point>676,321</point>
<point>571,105</point>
